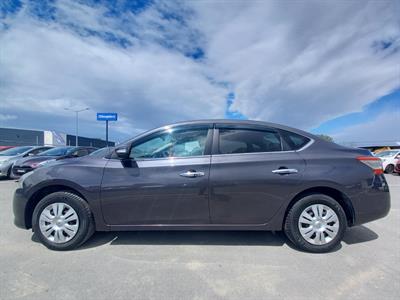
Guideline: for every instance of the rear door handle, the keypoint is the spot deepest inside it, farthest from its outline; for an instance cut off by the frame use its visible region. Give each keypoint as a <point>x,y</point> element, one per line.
<point>192,174</point>
<point>285,171</point>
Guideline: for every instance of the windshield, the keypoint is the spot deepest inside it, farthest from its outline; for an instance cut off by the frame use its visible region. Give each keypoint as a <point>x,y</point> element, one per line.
<point>60,151</point>
<point>15,151</point>
<point>387,153</point>
<point>101,152</point>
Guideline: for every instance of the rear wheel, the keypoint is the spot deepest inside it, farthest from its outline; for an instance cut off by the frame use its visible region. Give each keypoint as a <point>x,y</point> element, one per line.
<point>316,223</point>
<point>62,221</point>
<point>389,169</point>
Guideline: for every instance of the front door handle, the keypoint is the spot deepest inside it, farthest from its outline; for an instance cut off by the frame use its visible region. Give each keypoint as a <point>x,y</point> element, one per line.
<point>285,171</point>
<point>192,174</point>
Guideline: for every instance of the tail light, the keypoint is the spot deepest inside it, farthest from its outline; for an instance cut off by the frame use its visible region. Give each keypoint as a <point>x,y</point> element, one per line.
<point>374,163</point>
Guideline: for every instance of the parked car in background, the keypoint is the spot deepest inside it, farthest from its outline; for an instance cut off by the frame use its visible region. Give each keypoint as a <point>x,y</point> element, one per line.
<point>9,156</point>
<point>208,175</point>
<point>389,159</point>
<point>28,164</point>
<point>2,148</point>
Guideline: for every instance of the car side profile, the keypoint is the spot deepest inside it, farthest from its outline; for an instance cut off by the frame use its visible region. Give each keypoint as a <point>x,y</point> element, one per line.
<point>208,175</point>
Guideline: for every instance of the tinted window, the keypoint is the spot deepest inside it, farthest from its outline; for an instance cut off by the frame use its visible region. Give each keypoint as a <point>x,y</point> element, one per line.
<point>59,151</point>
<point>293,141</point>
<point>248,141</point>
<point>80,152</point>
<point>38,150</point>
<point>101,152</point>
<point>180,143</point>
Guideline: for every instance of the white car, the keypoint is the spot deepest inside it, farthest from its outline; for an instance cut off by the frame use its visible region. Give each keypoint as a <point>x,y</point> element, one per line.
<point>389,159</point>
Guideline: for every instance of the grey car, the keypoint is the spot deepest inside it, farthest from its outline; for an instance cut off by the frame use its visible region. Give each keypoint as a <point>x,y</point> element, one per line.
<point>28,164</point>
<point>208,175</point>
<point>9,156</point>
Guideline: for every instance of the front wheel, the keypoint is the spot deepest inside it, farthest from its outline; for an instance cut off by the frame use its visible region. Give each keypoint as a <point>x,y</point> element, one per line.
<point>316,223</point>
<point>62,221</point>
<point>389,169</point>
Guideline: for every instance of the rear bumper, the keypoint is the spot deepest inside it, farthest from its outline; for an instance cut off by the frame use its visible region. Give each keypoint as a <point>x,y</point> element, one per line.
<point>20,203</point>
<point>373,203</point>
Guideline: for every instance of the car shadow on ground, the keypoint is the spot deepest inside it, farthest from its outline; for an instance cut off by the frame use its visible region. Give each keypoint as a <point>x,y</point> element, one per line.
<point>354,235</point>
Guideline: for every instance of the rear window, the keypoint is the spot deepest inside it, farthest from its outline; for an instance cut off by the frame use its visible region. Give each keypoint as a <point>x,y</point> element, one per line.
<point>293,141</point>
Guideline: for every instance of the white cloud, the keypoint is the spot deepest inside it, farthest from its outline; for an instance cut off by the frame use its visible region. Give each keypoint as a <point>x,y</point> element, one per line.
<point>302,63</point>
<point>48,67</point>
<point>383,128</point>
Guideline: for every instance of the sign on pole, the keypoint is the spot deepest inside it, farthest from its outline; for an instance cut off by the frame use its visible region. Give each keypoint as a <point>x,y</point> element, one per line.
<point>107,117</point>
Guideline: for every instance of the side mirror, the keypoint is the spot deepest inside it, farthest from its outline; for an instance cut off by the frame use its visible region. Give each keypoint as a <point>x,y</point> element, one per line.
<point>122,153</point>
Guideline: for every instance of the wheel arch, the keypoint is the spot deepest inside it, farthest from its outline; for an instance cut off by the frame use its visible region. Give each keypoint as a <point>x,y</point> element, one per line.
<point>336,194</point>
<point>43,192</point>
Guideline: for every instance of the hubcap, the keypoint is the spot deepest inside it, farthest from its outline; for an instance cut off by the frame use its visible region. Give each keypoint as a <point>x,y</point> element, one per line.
<point>59,222</point>
<point>318,224</point>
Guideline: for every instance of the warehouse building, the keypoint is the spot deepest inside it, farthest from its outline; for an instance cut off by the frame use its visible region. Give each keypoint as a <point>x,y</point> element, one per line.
<point>27,137</point>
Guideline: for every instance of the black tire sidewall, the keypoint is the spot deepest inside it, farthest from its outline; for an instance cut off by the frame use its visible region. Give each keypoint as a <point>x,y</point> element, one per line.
<point>80,207</point>
<point>389,169</point>
<point>291,225</point>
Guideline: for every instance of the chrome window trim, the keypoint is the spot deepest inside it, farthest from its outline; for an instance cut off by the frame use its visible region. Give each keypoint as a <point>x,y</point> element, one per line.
<point>173,158</point>
<point>270,152</point>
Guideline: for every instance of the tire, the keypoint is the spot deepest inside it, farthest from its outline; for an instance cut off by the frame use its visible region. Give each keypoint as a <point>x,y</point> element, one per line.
<point>389,169</point>
<point>318,228</point>
<point>9,173</point>
<point>82,222</point>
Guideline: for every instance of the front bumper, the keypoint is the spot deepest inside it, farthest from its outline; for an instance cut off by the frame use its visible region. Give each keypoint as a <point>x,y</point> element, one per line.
<point>20,204</point>
<point>4,169</point>
<point>397,169</point>
<point>18,171</point>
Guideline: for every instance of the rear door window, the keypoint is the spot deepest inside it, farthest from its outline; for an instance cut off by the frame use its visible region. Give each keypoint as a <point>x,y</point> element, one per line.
<point>233,141</point>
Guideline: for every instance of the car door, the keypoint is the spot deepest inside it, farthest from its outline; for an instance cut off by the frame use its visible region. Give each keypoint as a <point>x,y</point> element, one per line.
<point>250,175</point>
<point>165,181</point>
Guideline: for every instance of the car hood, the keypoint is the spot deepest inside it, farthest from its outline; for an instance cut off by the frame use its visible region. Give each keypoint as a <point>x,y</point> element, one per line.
<point>4,158</point>
<point>11,158</point>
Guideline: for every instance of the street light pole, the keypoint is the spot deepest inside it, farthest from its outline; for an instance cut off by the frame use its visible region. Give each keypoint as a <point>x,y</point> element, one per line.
<point>76,121</point>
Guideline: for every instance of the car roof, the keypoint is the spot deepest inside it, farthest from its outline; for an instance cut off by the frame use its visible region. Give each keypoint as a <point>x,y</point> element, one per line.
<point>224,121</point>
<point>243,122</point>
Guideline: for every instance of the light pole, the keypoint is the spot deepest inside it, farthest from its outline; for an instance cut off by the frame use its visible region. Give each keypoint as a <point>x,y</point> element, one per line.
<point>76,120</point>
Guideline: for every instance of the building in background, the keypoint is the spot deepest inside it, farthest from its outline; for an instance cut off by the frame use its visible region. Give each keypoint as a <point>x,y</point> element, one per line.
<point>27,137</point>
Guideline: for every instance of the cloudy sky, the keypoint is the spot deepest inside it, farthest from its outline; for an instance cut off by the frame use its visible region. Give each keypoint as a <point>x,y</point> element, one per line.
<point>328,67</point>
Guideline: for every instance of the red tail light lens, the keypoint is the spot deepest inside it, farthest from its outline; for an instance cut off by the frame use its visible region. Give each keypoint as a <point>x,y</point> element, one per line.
<point>374,163</point>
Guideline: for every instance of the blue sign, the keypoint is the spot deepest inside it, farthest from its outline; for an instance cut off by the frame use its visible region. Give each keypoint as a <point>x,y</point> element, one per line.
<point>107,116</point>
